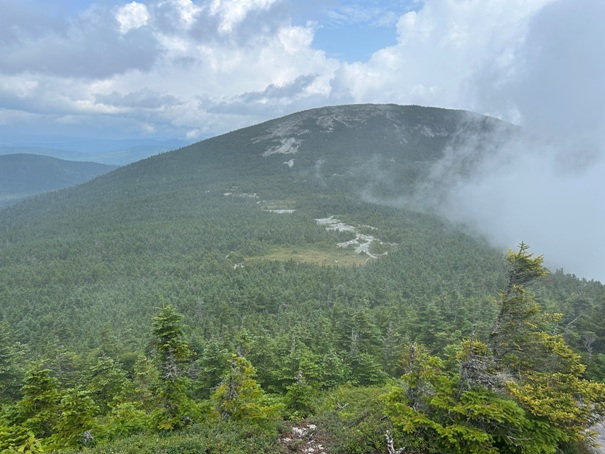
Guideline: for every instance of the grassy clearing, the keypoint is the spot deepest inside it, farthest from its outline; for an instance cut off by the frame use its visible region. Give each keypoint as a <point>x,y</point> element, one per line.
<point>339,257</point>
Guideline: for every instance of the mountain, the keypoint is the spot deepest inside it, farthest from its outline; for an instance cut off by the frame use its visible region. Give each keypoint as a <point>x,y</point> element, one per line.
<point>24,175</point>
<point>249,196</point>
<point>218,198</point>
<point>277,242</point>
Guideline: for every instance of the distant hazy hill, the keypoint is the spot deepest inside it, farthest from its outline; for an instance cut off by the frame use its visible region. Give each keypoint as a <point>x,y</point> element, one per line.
<point>23,175</point>
<point>111,152</point>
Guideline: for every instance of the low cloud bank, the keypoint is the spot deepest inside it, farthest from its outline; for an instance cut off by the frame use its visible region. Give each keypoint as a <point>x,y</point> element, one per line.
<point>547,190</point>
<point>526,190</point>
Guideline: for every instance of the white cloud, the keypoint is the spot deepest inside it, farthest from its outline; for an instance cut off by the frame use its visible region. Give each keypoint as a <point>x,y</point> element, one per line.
<point>21,87</point>
<point>373,13</point>
<point>132,16</point>
<point>295,39</point>
<point>524,191</point>
<point>440,47</point>
<point>188,11</point>
<point>233,12</point>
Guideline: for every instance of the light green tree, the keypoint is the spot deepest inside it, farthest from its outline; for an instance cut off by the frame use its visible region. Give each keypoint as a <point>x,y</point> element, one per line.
<point>515,329</point>
<point>76,420</point>
<point>239,397</point>
<point>537,367</point>
<point>39,408</point>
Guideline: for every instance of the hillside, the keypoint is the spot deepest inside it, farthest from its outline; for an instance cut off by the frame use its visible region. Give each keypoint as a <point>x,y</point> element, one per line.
<point>269,242</point>
<point>24,175</point>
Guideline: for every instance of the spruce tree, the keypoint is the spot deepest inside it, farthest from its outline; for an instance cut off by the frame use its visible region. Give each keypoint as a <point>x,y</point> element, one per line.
<point>522,392</point>
<point>39,407</point>
<point>11,373</point>
<point>172,354</point>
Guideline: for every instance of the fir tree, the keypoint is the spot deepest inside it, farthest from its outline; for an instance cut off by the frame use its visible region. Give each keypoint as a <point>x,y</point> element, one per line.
<point>172,354</point>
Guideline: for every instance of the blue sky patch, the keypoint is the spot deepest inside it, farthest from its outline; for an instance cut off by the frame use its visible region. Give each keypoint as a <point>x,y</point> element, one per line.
<point>353,42</point>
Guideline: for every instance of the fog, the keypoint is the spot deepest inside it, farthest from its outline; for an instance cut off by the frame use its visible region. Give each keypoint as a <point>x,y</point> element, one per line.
<point>547,187</point>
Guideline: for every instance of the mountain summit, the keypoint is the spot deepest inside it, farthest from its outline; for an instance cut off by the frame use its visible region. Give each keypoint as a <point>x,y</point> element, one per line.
<point>342,146</point>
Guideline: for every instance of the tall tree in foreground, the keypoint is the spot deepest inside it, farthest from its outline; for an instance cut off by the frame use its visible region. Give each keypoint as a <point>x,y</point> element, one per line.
<point>522,392</point>
<point>537,366</point>
<point>515,333</point>
<point>172,353</point>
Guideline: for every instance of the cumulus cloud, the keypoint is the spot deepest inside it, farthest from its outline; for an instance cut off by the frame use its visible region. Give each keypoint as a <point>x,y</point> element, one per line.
<point>141,99</point>
<point>132,16</point>
<point>232,13</point>
<point>153,58</point>
<point>176,16</point>
<point>439,49</point>
<point>373,13</point>
<point>273,100</point>
<point>220,50</point>
<point>87,47</point>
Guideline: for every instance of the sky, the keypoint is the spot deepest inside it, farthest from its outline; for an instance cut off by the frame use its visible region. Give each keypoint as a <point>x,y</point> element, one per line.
<point>188,70</point>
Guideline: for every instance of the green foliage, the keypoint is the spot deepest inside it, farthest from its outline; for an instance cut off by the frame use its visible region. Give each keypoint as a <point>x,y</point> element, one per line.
<point>430,415</point>
<point>11,371</point>
<point>75,422</point>
<point>38,410</point>
<point>523,267</point>
<point>145,379</point>
<point>546,375</point>
<point>300,398</point>
<point>525,393</point>
<point>171,349</point>
<point>216,436</point>
<point>335,370</point>
<point>240,398</point>
<point>17,439</point>
<point>517,324</point>
<point>210,368</point>
<point>124,420</point>
<point>24,175</point>
<point>354,416</point>
<point>108,384</point>
<point>172,352</point>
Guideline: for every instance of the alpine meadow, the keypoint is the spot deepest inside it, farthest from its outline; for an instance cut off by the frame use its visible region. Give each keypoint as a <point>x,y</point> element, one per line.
<point>293,286</point>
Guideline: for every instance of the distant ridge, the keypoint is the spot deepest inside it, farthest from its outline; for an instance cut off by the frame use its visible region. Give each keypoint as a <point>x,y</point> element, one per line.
<point>111,152</point>
<point>23,175</point>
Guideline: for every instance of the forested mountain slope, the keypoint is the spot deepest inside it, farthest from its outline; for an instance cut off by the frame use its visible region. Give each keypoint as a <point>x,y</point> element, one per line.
<point>253,194</point>
<point>266,241</point>
<point>23,175</point>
